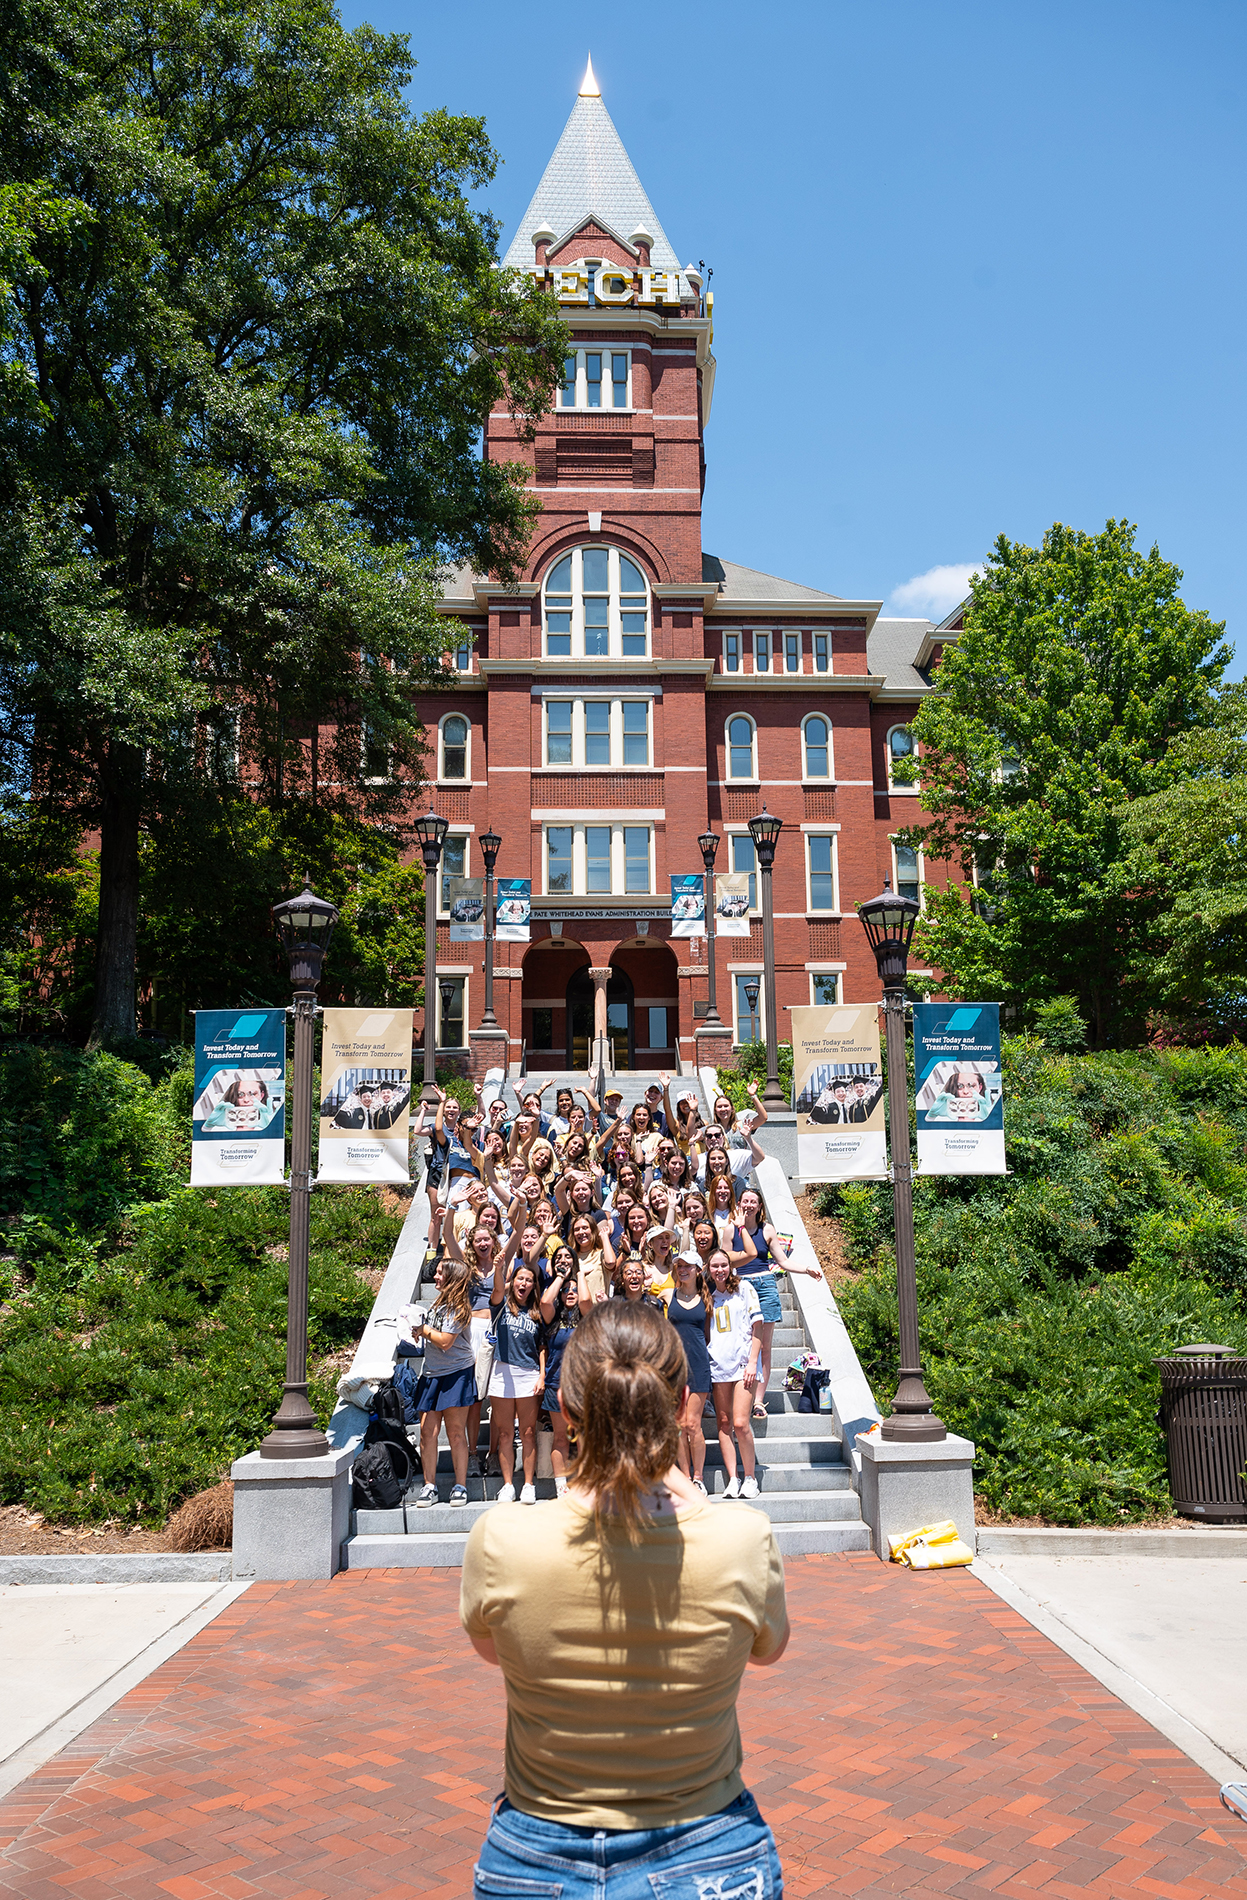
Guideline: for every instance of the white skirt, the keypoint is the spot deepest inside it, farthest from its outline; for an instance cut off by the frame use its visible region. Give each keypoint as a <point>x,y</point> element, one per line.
<point>482,1325</point>
<point>512,1382</point>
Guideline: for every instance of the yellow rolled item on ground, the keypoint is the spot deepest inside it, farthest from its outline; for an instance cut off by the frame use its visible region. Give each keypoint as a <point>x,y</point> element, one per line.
<point>945,1555</point>
<point>900,1541</point>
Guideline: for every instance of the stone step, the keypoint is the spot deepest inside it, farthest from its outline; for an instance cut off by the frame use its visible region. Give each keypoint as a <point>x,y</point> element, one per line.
<point>797,1454</point>
<point>444,1549</point>
<point>780,1505</point>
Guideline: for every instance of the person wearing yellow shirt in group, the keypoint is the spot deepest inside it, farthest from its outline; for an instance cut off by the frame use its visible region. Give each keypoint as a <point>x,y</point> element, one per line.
<point>623,1752</point>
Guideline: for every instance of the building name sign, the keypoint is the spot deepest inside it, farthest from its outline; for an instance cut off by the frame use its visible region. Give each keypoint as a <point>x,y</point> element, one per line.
<point>610,285</point>
<point>566,913</point>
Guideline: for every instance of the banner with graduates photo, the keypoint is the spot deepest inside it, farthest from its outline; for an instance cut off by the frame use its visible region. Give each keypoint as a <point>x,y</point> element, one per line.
<point>688,906</point>
<point>365,1067</point>
<point>513,909</point>
<point>731,904</point>
<point>960,1093</point>
<point>238,1121</point>
<point>838,1094</point>
<point>465,900</point>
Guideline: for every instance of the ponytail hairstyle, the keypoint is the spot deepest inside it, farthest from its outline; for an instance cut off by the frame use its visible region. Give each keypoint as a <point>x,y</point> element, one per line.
<point>624,1375</point>
<point>454,1296</point>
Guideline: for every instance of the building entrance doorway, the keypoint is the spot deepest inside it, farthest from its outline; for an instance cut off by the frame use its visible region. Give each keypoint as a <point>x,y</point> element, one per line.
<point>619,1019</point>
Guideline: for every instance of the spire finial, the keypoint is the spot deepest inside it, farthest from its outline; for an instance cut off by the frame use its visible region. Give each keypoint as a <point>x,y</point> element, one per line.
<point>589,88</point>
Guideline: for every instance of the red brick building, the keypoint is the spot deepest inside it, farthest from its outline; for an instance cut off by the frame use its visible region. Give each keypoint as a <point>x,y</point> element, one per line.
<point>634,689</point>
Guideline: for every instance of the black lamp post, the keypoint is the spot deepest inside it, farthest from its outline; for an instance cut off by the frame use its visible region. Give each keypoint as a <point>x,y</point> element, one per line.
<point>491,845</point>
<point>765,830</point>
<point>708,845</point>
<point>889,921</point>
<point>431,832</point>
<point>305,925</point>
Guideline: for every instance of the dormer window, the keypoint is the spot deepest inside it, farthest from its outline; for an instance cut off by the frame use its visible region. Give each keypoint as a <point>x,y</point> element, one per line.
<point>596,605</point>
<point>596,379</point>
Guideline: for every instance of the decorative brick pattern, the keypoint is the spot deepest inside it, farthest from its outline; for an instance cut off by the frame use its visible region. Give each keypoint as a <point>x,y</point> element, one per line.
<point>820,804</point>
<point>340,1741</point>
<point>597,791</point>
<point>452,803</point>
<point>740,807</point>
<point>825,940</point>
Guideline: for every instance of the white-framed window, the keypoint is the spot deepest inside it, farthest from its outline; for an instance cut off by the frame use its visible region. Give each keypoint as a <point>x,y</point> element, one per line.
<point>454,736</point>
<point>451,1011</point>
<point>792,653</point>
<point>745,859</point>
<point>907,871</point>
<point>460,655</point>
<point>816,758</point>
<point>761,652</point>
<point>454,863</point>
<point>822,653</point>
<point>749,1023</point>
<point>820,867</point>
<point>731,653</point>
<point>824,988</point>
<point>597,732</point>
<point>742,747</point>
<point>901,750</point>
<point>596,379</point>
<point>612,860</point>
<point>596,605</point>
<point>375,763</point>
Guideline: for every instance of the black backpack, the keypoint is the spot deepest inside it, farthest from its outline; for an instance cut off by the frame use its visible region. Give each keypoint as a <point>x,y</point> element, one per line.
<point>382,1473</point>
<point>390,1407</point>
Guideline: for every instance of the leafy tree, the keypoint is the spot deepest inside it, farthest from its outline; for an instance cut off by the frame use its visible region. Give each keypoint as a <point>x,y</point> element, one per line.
<point>1078,668</point>
<point>248,333</point>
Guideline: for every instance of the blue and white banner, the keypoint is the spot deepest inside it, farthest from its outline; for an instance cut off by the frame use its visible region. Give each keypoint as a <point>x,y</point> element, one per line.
<point>688,906</point>
<point>513,909</point>
<point>960,1094</point>
<point>238,1133</point>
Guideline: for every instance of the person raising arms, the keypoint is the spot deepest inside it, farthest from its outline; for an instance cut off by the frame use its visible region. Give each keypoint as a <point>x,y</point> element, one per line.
<point>734,1346</point>
<point>560,1315</point>
<point>760,1272</point>
<point>689,1309</point>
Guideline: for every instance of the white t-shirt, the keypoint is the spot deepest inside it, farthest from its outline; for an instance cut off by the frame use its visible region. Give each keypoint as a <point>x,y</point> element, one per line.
<point>739,1162</point>
<point>731,1332</point>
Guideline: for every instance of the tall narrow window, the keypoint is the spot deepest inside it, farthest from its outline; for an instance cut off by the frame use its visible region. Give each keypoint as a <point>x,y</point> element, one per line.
<point>451,1013</point>
<point>455,747</point>
<point>822,873</point>
<point>761,652</point>
<point>636,731</point>
<point>559,609</point>
<point>907,879</point>
<point>822,652</point>
<point>731,653</point>
<point>817,736</point>
<point>636,858</point>
<point>597,732</point>
<point>825,987</point>
<point>901,756</point>
<point>558,732</point>
<point>744,858</point>
<point>593,377</point>
<point>619,380</point>
<point>567,395</point>
<point>740,747</point>
<point>597,857</point>
<point>632,610</point>
<point>454,864</point>
<point>792,653</point>
<point>559,858</point>
<point>748,1021</point>
<point>597,601</point>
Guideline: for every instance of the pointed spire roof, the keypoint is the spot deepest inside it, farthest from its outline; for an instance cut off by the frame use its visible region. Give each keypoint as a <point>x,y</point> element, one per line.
<point>590,174</point>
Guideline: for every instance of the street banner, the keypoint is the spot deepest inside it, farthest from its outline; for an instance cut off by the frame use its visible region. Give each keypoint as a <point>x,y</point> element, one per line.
<point>837,1083</point>
<point>238,1122</point>
<point>960,1101</point>
<point>465,900</point>
<point>365,1067</point>
<point>513,909</point>
<point>731,904</point>
<point>688,906</point>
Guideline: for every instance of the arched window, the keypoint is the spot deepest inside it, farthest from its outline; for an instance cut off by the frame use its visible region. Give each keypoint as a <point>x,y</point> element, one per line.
<point>902,759</point>
<point>741,750</point>
<point>454,761</point>
<point>816,736</point>
<point>597,605</point>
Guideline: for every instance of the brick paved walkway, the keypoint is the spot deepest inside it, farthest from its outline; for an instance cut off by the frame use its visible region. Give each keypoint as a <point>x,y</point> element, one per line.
<point>340,1742</point>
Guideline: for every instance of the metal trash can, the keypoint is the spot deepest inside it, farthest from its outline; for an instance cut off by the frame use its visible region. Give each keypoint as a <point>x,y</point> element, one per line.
<point>1203,1408</point>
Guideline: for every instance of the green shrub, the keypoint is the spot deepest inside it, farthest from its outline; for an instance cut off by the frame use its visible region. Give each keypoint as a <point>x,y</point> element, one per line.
<point>751,1067</point>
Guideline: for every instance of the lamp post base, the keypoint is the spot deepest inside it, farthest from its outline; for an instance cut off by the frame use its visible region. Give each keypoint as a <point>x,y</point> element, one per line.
<point>295,1433</point>
<point>773,1096</point>
<point>913,1420</point>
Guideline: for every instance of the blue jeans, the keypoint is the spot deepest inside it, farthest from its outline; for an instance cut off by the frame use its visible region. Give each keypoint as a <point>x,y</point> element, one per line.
<point>728,1856</point>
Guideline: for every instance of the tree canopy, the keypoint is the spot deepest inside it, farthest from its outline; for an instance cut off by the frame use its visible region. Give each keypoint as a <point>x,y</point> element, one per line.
<point>1061,704</point>
<point>250,329</point>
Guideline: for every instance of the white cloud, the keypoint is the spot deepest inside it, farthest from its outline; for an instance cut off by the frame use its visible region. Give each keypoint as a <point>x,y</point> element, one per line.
<point>934,593</point>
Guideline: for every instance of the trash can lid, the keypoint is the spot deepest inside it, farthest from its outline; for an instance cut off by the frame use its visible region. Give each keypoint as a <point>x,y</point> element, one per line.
<point>1206,1352</point>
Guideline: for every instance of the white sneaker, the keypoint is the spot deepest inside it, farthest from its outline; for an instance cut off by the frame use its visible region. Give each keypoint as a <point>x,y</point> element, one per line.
<point>507,1494</point>
<point>427,1496</point>
<point>528,1495</point>
<point>699,1486</point>
<point>749,1488</point>
<point>732,1488</point>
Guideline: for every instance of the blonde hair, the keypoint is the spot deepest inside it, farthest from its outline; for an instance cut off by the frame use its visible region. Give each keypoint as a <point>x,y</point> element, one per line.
<point>624,1374</point>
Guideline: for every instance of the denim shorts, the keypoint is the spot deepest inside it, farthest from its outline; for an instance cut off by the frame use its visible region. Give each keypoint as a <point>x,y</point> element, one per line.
<point>728,1856</point>
<point>764,1286</point>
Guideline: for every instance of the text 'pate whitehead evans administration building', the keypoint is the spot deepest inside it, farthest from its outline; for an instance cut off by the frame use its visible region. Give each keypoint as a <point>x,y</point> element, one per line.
<point>635,689</point>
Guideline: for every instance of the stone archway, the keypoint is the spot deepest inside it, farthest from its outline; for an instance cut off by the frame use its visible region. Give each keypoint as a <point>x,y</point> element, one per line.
<point>650,966</point>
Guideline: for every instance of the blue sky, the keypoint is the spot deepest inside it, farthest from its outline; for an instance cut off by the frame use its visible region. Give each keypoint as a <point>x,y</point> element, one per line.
<point>977,268</point>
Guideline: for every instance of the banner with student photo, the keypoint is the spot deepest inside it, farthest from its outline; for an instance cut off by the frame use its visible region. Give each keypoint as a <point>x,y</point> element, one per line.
<point>838,1094</point>
<point>731,904</point>
<point>513,909</point>
<point>960,1092</point>
<point>365,1067</point>
<point>238,1119</point>
<point>688,906</point>
<point>465,900</point>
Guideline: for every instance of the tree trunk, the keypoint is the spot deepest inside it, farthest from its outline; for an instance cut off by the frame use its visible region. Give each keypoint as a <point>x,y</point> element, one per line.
<point>116,942</point>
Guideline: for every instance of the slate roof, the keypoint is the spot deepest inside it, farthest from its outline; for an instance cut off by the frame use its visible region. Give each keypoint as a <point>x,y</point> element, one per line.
<point>890,649</point>
<point>590,174</point>
<point>746,583</point>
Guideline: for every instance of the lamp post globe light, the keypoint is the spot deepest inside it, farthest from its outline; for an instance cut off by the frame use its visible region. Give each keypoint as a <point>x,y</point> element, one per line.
<point>491,845</point>
<point>765,830</point>
<point>708,845</point>
<point>889,920</point>
<point>305,927</point>
<point>431,835</point>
